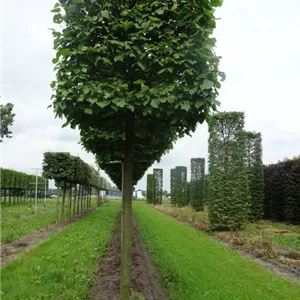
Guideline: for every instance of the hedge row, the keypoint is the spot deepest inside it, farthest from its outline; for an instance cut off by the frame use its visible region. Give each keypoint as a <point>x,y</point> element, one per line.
<point>11,179</point>
<point>282,191</point>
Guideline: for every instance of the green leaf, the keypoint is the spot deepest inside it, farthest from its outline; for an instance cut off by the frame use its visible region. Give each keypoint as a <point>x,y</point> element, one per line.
<point>207,84</point>
<point>141,65</point>
<point>105,14</point>
<point>154,19</point>
<point>88,111</point>
<point>86,90</point>
<point>102,104</point>
<point>78,1</point>
<point>216,102</point>
<point>84,69</point>
<point>193,91</point>
<point>139,81</point>
<point>185,105</point>
<point>118,58</point>
<point>154,103</point>
<point>131,107</point>
<point>53,83</point>
<point>216,3</point>
<point>120,103</point>
<point>174,7</point>
<point>199,103</point>
<point>160,11</point>
<point>55,60</point>
<point>161,71</point>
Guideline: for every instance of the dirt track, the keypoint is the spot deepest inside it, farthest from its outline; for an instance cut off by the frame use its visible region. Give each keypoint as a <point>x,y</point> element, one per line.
<point>144,277</point>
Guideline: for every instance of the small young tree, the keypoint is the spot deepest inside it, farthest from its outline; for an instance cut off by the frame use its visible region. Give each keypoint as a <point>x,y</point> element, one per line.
<point>197,183</point>
<point>228,181</point>
<point>256,175</point>
<point>158,185</point>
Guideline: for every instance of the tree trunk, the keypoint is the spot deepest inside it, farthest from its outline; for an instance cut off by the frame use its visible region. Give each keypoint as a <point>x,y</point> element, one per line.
<point>63,202</point>
<point>70,203</point>
<point>74,204</point>
<point>126,222</point>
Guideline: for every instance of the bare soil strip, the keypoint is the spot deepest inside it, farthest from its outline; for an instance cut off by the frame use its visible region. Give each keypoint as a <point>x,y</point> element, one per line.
<point>280,261</point>
<point>145,279</point>
<point>12,250</point>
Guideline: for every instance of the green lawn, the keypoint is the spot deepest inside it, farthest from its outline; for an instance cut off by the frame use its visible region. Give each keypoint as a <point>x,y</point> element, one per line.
<point>63,266</point>
<point>22,227</point>
<point>25,209</point>
<point>21,221</point>
<point>194,266</point>
<point>290,240</point>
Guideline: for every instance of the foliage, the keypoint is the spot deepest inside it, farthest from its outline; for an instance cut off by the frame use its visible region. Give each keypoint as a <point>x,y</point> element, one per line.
<point>65,168</point>
<point>150,188</point>
<point>158,185</point>
<point>6,120</point>
<point>197,183</point>
<point>168,241</point>
<point>256,176</point>
<point>228,183</point>
<point>282,197</point>
<point>113,62</point>
<point>180,186</point>
<point>15,180</point>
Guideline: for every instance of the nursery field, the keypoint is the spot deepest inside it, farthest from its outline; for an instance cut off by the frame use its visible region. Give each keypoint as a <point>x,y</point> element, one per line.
<point>274,233</point>
<point>195,266</point>
<point>63,266</point>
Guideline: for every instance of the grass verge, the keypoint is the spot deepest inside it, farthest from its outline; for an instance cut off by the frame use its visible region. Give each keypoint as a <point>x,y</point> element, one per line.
<point>63,266</point>
<point>194,266</point>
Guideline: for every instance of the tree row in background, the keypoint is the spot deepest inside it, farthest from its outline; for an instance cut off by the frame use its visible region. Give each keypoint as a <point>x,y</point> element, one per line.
<point>282,191</point>
<point>76,179</point>
<point>155,187</point>
<point>235,180</point>
<point>18,187</point>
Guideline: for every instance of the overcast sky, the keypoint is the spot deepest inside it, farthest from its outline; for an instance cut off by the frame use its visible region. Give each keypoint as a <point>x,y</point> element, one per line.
<point>259,41</point>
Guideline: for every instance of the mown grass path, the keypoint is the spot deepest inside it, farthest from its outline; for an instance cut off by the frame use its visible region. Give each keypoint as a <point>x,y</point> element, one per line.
<point>63,266</point>
<point>194,266</point>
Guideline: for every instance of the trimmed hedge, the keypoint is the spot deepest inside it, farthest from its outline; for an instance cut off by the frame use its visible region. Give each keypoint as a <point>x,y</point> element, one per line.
<point>150,189</point>
<point>158,185</point>
<point>197,184</point>
<point>180,186</point>
<point>256,176</point>
<point>17,186</point>
<point>282,191</point>
<point>228,183</point>
<point>172,185</point>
